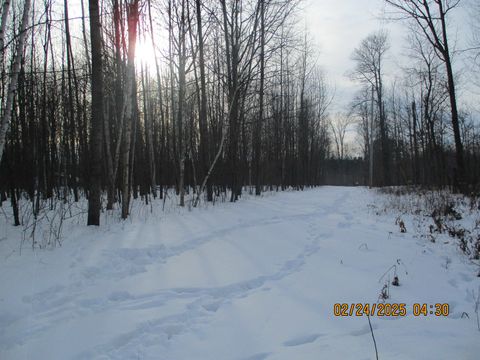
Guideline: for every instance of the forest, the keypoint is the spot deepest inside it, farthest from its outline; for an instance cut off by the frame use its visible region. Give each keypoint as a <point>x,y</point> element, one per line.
<point>117,100</point>
<point>239,179</point>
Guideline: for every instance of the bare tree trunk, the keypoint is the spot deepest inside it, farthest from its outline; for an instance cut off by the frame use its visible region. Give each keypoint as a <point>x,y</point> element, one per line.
<point>259,122</point>
<point>370,163</point>
<point>149,133</point>
<point>12,88</point>
<point>173,111</point>
<point>109,158</point>
<point>3,26</point>
<point>204,153</point>
<point>113,159</point>
<point>71,78</point>
<point>96,133</point>
<point>416,175</point>
<point>84,34</point>
<point>182,28</point>
<point>461,175</point>
<point>128,99</point>
<point>232,60</point>
<point>14,202</point>
<point>160,99</point>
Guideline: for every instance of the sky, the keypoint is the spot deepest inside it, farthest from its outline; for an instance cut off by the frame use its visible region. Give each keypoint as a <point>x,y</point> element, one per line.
<point>338,26</point>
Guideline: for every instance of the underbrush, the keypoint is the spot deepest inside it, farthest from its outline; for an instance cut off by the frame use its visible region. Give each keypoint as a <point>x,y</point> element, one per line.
<point>435,214</point>
<point>44,222</point>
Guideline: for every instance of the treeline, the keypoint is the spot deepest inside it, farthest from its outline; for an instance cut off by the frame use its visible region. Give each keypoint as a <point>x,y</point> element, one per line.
<point>412,129</point>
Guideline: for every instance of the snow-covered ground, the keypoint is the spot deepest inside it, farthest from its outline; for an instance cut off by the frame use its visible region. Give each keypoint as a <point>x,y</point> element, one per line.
<point>253,280</point>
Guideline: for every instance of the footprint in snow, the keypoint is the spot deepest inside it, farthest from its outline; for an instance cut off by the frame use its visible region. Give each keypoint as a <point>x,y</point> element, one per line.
<point>212,307</point>
<point>465,277</point>
<point>453,282</point>
<point>344,225</point>
<point>120,296</point>
<point>364,330</point>
<point>261,356</point>
<point>302,340</point>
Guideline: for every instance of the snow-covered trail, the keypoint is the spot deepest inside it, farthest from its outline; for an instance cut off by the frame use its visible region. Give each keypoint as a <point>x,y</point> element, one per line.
<point>254,280</point>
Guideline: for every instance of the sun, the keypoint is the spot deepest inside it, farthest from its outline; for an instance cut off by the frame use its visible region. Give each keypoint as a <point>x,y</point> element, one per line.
<point>145,55</point>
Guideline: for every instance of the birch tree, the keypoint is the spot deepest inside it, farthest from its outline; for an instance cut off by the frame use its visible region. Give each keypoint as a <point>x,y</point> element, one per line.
<point>12,87</point>
<point>3,27</point>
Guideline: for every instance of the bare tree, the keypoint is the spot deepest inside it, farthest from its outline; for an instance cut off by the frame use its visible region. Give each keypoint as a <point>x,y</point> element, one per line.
<point>475,41</point>
<point>339,124</point>
<point>369,57</point>
<point>430,17</point>
<point>202,119</point>
<point>12,88</point>
<point>3,27</point>
<point>258,124</point>
<point>432,84</point>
